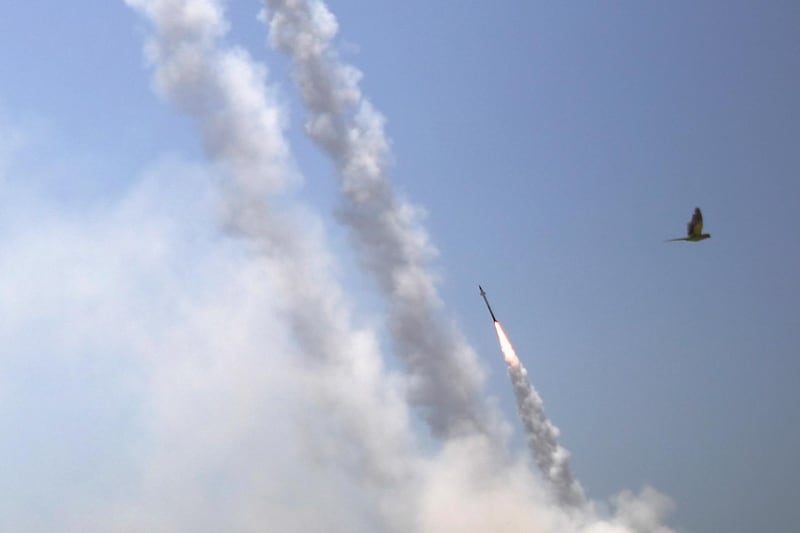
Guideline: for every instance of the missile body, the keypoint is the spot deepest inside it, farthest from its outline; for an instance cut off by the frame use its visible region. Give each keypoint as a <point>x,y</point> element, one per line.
<point>489,307</point>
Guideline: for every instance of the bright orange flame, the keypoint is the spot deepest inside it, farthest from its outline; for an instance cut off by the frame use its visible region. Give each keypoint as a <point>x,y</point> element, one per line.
<point>505,346</point>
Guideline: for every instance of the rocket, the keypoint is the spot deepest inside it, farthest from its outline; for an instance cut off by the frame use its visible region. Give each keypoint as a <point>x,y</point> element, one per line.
<point>489,307</point>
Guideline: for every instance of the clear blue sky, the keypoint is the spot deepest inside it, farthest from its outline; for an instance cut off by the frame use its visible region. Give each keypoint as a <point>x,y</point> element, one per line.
<point>554,147</point>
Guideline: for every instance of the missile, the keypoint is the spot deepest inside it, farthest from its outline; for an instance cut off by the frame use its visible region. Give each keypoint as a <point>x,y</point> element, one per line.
<point>489,307</point>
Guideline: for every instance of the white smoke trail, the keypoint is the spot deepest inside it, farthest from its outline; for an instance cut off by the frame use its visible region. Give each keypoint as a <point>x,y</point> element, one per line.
<point>390,241</point>
<point>550,456</point>
<point>224,91</point>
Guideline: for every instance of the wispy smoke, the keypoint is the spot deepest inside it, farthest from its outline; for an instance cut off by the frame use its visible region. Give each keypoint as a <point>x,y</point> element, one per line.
<point>550,456</point>
<point>391,243</point>
<point>224,91</point>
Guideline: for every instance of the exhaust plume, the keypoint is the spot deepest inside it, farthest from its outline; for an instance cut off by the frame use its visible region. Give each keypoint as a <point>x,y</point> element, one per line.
<point>223,90</point>
<point>391,243</point>
<point>550,456</point>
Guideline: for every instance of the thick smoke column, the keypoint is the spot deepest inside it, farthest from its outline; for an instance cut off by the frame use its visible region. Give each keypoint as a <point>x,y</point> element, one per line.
<point>390,241</point>
<point>553,460</point>
<point>224,91</point>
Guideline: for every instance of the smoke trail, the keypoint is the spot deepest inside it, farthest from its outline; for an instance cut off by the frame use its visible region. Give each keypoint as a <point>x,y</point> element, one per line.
<point>223,90</point>
<point>391,243</point>
<point>552,459</point>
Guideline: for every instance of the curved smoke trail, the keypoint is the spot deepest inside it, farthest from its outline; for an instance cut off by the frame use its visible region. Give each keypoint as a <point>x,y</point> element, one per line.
<point>550,456</point>
<point>391,243</point>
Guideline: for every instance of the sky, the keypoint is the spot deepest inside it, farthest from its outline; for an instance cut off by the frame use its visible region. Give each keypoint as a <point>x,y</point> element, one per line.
<point>205,326</point>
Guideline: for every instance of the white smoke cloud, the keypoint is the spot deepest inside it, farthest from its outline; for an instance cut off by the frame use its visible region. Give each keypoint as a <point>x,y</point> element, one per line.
<point>468,487</point>
<point>135,346</point>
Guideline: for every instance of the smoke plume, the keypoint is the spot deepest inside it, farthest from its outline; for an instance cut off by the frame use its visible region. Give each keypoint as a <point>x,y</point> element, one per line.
<point>550,456</point>
<point>391,243</point>
<point>223,90</point>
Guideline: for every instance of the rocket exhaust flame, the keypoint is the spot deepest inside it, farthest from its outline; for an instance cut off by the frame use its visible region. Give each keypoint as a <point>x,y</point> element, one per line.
<point>551,458</point>
<point>505,346</point>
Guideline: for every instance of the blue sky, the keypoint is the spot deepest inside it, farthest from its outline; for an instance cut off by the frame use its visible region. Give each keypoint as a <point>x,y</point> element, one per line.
<point>553,147</point>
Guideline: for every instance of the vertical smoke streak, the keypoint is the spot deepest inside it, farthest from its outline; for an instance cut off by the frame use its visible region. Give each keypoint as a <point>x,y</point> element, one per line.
<point>391,243</point>
<point>550,456</point>
<point>223,90</point>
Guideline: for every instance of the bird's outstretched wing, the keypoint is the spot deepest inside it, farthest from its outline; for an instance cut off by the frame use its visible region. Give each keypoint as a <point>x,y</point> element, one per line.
<point>695,227</point>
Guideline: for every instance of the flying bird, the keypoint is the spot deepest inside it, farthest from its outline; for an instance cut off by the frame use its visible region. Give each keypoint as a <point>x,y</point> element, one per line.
<point>694,229</point>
